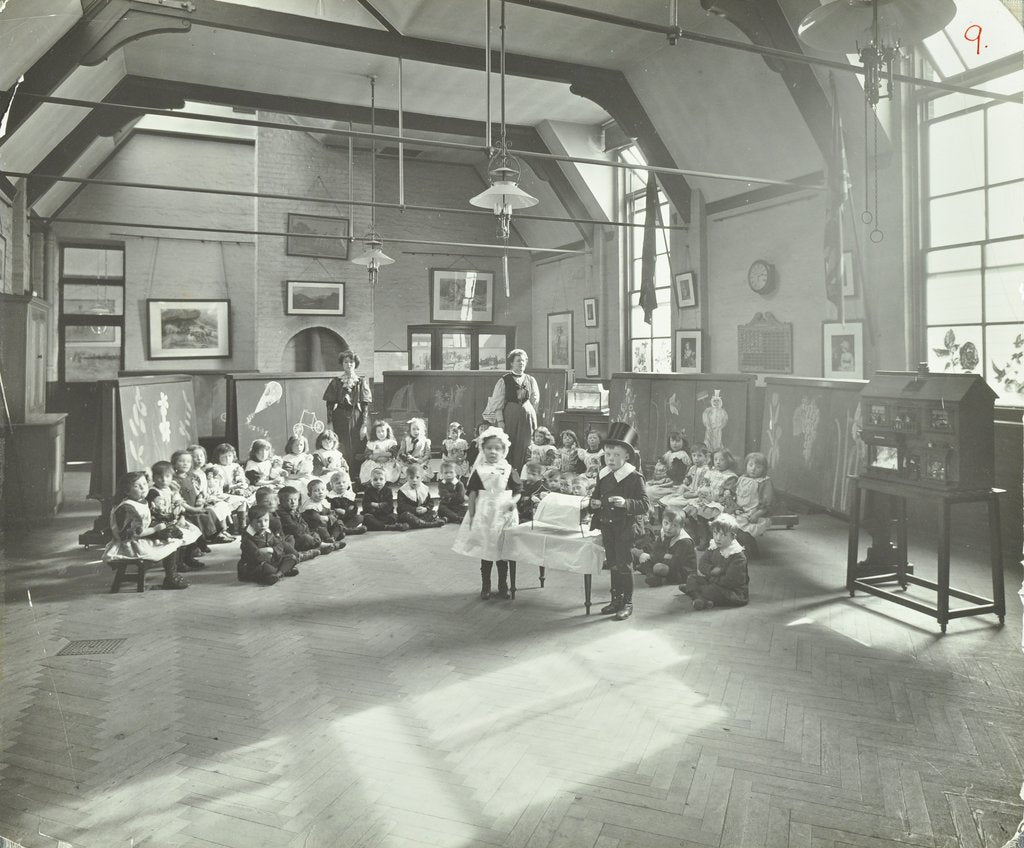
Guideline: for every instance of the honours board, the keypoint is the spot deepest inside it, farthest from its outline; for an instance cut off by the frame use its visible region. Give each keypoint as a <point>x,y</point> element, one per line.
<point>810,434</point>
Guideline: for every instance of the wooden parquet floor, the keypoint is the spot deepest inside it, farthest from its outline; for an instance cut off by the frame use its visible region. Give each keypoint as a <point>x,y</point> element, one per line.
<point>375,701</point>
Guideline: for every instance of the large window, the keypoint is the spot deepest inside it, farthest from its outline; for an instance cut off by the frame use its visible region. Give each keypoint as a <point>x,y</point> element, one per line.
<point>972,179</point>
<point>91,312</point>
<point>650,345</point>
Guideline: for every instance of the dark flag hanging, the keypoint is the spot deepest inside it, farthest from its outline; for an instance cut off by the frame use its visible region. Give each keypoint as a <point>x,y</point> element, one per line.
<point>648,296</point>
<point>836,187</point>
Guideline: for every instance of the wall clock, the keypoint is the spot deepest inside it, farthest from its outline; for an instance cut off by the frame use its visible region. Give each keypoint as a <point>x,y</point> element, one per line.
<point>761,277</point>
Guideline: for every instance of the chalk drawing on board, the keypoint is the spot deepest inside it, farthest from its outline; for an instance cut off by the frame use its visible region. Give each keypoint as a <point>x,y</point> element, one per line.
<point>673,404</point>
<point>308,421</point>
<point>403,403</point>
<point>774,430</point>
<point>184,428</point>
<point>446,401</point>
<point>627,409</point>
<point>846,458</point>
<point>164,427</point>
<point>805,423</point>
<point>272,393</point>
<point>715,418</point>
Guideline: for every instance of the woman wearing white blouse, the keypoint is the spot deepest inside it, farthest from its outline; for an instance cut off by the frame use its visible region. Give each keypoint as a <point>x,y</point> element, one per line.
<point>513,406</point>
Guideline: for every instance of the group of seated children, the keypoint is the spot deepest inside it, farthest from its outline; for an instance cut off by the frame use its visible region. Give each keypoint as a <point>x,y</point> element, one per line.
<point>708,486</point>
<point>568,468</point>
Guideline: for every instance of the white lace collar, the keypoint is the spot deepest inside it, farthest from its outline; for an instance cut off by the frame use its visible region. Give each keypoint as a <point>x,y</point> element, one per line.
<point>729,550</point>
<point>626,469</point>
<point>417,493</point>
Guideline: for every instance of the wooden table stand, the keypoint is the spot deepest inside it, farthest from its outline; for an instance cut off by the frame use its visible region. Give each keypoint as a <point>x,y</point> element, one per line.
<point>939,611</point>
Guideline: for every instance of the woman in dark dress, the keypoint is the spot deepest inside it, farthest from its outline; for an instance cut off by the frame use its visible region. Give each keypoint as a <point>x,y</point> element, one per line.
<point>348,399</point>
<point>513,407</point>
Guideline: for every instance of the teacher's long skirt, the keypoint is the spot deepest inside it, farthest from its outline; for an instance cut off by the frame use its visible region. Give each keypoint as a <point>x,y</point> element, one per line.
<point>520,422</point>
<point>347,422</point>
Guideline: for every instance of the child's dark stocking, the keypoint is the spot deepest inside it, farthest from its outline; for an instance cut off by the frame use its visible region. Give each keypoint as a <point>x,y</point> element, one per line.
<point>485,579</point>
<point>503,592</point>
<point>172,580</point>
<point>626,587</point>
<point>616,602</point>
<point>238,522</point>
<point>188,557</point>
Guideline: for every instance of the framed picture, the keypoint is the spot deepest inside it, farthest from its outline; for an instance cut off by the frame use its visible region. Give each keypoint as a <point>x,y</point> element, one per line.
<point>686,289</point>
<point>842,350</point>
<point>92,334</point>
<point>315,298</point>
<point>317,235</point>
<point>590,312</point>
<point>849,279</point>
<point>560,339</point>
<point>689,352</point>
<point>593,354</point>
<point>463,296</point>
<point>189,329</point>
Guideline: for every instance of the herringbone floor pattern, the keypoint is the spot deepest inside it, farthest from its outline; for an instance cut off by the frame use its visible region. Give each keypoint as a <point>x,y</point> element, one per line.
<point>374,701</point>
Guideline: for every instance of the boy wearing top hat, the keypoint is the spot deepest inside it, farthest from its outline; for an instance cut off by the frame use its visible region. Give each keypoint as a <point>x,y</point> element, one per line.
<point>619,502</point>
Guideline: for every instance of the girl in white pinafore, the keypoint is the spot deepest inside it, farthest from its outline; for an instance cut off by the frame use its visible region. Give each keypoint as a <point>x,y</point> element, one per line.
<point>494,488</point>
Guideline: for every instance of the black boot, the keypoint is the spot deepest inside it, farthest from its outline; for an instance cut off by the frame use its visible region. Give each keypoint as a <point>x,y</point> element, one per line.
<point>172,580</point>
<point>626,610</point>
<point>616,603</point>
<point>485,581</point>
<point>503,591</point>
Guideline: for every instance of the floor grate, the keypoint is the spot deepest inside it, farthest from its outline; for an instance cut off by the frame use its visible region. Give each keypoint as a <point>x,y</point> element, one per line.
<point>84,647</point>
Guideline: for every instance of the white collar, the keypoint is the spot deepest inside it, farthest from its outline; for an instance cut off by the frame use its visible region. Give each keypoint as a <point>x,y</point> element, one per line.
<point>729,550</point>
<point>499,467</point>
<point>626,469</point>
<point>415,493</point>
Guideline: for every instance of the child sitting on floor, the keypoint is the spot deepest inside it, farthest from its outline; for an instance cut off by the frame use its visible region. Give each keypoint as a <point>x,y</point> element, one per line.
<point>534,490</point>
<point>593,454</point>
<point>293,525</point>
<point>668,557</point>
<point>721,578</point>
<point>233,475</point>
<point>753,501</point>
<point>379,504</point>
<point>342,498</point>
<point>168,507</point>
<point>542,449</point>
<point>659,486</point>
<point>451,494</point>
<point>454,450</point>
<point>381,452</point>
<point>266,557</point>
<point>263,468</point>
<point>414,505</point>
<point>192,486</point>
<point>415,450</point>
<point>320,515</point>
<point>217,491</point>
<point>327,458</point>
<point>567,460</point>
<point>297,462</point>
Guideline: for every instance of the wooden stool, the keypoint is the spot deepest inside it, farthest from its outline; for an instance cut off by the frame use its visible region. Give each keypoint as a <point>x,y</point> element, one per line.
<point>120,569</point>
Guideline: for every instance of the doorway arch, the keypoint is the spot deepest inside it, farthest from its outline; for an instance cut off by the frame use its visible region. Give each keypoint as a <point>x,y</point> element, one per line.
<point>312,349</point>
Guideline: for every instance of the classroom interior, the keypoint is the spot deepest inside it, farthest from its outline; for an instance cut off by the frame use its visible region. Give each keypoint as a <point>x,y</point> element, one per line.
<point>721,218</point>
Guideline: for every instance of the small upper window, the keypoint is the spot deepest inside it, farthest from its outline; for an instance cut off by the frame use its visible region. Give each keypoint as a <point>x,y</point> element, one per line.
<point>981,32</point>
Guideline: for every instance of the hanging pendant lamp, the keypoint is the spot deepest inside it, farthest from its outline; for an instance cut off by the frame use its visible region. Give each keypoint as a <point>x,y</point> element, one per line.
<point>373,257</point>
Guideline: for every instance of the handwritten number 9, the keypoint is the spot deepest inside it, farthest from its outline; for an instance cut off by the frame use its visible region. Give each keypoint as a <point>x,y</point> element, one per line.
<point>976,38</point>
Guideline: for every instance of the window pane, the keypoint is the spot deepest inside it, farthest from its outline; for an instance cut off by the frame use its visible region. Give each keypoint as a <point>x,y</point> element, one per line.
<point>954,146</point>
<point>662,356</point>
<point>642,355</point>
<point>955,349</point>
<point>1005,143</point>
<point>1004,293</point>
<point>1006,210</point>
<point>420,347</point>
<point>1003,363</point>
<point>662,271</point>
<point>88,362</point>
<point>93,262</point>
<point>956,219</point>
<point>954,259</point>
<point>493,347</point>
<point>93,299</point>
<point>661,318</point>
<point>954,298</point>
<point>1004,253</point>
<point>455,352</point>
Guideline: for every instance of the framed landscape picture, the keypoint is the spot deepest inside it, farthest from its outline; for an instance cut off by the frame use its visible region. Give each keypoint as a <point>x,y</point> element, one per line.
<point>317,235</point>
<point>842,350</point>
<point>307,298</point>
<point>462,296</point>
<point>189,329</point>
<point>686,289</point>
<point>590,312</point>
<point>689,352</point>
<point>593,355</point>
<point>560,340</point>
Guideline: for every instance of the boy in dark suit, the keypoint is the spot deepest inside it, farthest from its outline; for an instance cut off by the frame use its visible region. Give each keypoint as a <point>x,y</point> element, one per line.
<point>619,503</point>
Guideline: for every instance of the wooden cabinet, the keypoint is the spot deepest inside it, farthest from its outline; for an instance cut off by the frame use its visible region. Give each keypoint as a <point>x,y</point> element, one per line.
<point>34,474</point>
<point>24,334</point>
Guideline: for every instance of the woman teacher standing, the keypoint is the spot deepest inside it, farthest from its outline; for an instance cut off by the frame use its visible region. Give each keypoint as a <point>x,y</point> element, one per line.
<point>348,399</point>
<point>513,407</point>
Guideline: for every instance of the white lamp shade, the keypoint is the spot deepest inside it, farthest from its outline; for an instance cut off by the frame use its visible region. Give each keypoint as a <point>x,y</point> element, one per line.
<point>504,196</point>
<point>373,257</point>
<point>839,26</point>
